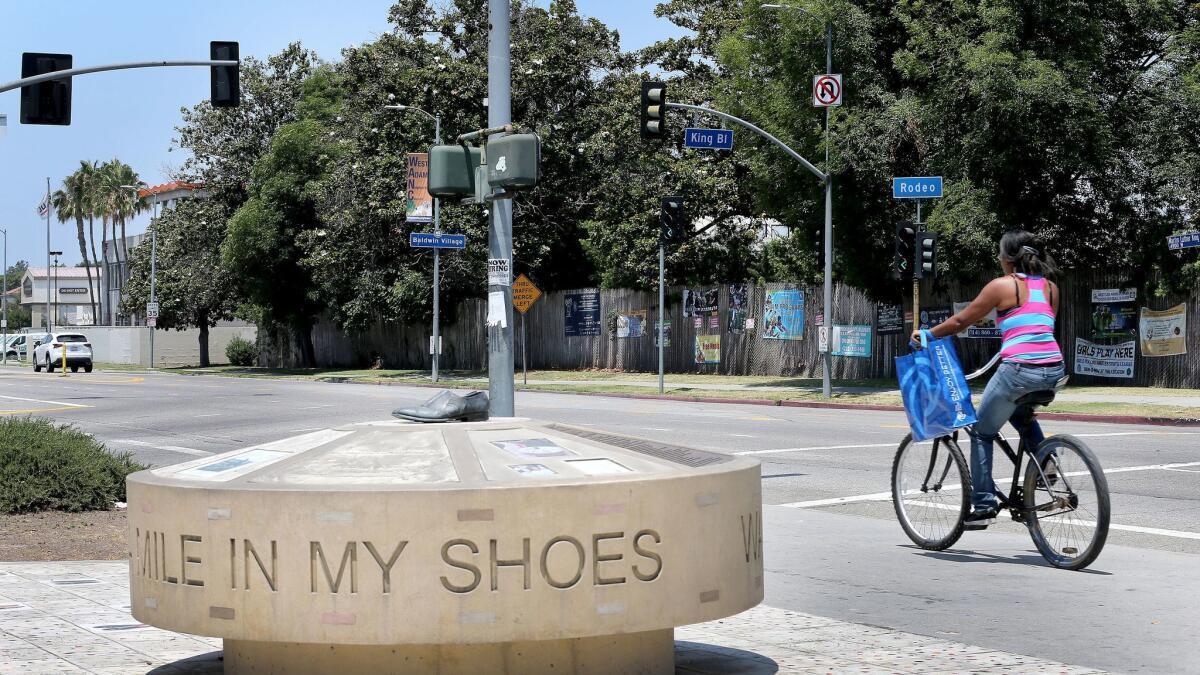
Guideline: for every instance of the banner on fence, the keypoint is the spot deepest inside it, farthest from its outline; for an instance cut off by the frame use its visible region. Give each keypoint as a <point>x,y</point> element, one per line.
<point>666,330</point>
<point>933,316</point>
<point>1104,360</point>
<point>987,327</point>
<point>632,324</point>
<point>702,302</point>
<point>419,207</point>
<point>1164,333</point>
<point>889,319</point>
<point>739,307</point>
<point>582,314</point>
<point>783,315</point>
<point>852,341</point>
<point>708,349</point>
<point>1114,320</point>
<point>1101,295</point>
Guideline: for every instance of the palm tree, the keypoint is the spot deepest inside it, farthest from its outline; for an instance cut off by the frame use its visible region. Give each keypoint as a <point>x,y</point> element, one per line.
<point>74,201</point>
<point>119,204</point>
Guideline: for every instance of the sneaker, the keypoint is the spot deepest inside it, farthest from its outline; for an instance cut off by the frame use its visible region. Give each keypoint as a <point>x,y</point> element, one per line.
<point>979,519</point>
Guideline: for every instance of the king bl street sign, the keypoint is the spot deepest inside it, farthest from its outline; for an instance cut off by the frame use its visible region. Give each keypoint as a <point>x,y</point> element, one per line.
<point>708,139</point>
<point>430,240</point>
<point>925,187</point>
<point>1179,242</point>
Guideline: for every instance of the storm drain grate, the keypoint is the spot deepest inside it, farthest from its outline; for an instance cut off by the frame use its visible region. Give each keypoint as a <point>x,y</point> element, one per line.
<point>673,453</point>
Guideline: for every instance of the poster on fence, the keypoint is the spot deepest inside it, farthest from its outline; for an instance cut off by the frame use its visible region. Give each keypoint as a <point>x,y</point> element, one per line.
<point>582,314</point>
<point>666,334</point>
<point>934,316</point>
<point>739,307</point>
<point>783,316</point>
<point>1114,320</point>
<point>419,207</point>
<point>702,302</point>
<point>708,349</point>
<point>1164,333</point>
<point>632,324</point>
<point>1104,360</point>
<point>983,328</point>
<point>889,319</point>
<point>852,341</point>
<point>1106,295</point>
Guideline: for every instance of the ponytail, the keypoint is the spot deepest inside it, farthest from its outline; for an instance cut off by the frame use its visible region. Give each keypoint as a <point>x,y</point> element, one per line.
<point>1026,254</point>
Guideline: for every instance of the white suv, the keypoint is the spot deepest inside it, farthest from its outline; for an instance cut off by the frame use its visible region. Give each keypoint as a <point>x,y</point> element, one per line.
<point>50,355</point>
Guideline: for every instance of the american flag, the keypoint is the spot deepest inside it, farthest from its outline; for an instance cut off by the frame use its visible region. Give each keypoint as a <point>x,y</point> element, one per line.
<point>44,207</point>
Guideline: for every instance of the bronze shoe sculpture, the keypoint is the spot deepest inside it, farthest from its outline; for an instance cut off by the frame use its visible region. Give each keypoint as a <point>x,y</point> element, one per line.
<point>448,407</point>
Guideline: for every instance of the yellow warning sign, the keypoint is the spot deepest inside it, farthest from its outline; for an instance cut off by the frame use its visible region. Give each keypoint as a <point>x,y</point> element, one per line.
<point>524,294</point>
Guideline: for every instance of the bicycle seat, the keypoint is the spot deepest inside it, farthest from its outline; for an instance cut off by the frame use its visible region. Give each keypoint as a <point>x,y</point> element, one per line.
<point>1036,398</point>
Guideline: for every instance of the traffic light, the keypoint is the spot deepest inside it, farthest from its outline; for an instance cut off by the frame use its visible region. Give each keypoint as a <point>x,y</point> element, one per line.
<point>674,220</point>
<point>46,102</point>
<point>927,255</point>
<point>905,242</point>
<point>654,108</point>
<point>226,85</point>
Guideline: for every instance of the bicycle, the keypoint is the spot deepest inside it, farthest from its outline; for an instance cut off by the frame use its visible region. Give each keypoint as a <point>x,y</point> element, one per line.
<point>1062,497</point>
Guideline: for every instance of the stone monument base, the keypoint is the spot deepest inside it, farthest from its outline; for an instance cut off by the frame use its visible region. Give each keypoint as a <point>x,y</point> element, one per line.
<point>648,653</point>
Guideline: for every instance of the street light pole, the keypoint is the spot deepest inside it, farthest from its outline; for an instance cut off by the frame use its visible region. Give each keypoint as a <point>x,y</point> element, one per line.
<point>54,255</point>
<point>4,299</point>
<point>437,252</point>
<point>500,246</point>
<point>827,318</point>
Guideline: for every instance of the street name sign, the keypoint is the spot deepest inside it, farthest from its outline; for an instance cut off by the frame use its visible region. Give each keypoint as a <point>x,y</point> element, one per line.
<point>152,310</point>
<point>430,240</point>
<point>1179,242</point>
<point>827,90</point>
<point>923,187</point>
<point>708,139</point>
<point>525,293</point>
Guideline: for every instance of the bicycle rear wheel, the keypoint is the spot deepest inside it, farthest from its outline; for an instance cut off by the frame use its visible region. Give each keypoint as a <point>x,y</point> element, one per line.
<point>931,491</point>
<point>1067,503</point>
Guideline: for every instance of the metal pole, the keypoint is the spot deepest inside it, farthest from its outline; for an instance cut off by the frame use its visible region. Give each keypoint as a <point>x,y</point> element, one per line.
<point>437,262</point>
<point>68,74</point>
<point>153,272</point>
<point>826,382</point>
<point>662,309</point>
<point>524,350</point>
<point>500,338</point>
<point>916,281</point>
<point>4,298</point>
<point>49,321</point>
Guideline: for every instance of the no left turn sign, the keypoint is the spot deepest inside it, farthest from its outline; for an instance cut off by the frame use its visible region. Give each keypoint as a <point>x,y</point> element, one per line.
<point>827,90</point>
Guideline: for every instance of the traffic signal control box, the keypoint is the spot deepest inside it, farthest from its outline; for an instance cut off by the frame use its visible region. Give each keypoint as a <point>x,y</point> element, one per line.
<point>514,162</point>
<point>452,170</point>
<point>46,102</point>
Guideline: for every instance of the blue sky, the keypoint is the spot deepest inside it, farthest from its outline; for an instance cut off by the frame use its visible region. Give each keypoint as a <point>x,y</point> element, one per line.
<point>132,114</point>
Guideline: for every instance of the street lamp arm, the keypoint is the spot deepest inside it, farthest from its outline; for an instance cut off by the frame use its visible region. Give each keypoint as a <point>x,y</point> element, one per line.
<point>821,175</point>
<point>66,74</point>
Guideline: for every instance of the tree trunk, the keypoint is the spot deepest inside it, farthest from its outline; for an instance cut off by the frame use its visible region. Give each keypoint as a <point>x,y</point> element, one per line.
<point>302,333</point>
<point>104,303</point>
<point>202,320</point>
<point>86,263</point>
<point>96,258</point>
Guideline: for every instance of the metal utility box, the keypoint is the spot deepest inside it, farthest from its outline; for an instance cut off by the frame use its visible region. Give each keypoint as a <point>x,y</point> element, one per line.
<point>452,170</point>
<point>515,162</point>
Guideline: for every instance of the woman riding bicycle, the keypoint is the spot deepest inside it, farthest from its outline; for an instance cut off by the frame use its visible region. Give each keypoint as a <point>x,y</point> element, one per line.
<point>1026,304</point>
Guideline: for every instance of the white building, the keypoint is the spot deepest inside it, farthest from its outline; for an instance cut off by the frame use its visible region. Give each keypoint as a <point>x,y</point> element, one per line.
<point>71,300</point>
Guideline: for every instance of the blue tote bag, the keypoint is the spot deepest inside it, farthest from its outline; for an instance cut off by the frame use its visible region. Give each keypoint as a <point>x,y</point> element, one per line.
<point>936,396</point>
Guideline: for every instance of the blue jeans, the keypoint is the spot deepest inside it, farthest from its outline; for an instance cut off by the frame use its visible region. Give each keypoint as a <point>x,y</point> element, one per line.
<point>999,404</point>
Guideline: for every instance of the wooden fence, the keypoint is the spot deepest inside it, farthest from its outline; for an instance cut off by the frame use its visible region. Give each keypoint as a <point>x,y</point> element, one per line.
<point>742,353</point>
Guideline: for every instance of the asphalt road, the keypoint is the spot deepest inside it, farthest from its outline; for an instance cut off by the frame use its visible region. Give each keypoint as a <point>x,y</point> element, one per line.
<point>834,547</point>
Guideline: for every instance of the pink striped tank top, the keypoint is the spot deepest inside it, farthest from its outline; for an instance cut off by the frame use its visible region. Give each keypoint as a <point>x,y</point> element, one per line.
<point>1028,329</point>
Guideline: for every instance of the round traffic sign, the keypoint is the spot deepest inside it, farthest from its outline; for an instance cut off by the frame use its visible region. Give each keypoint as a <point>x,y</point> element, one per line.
<point>827,90</point>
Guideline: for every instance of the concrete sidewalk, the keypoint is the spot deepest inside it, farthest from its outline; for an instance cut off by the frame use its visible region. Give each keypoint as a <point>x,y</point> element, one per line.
<point>73,617</point>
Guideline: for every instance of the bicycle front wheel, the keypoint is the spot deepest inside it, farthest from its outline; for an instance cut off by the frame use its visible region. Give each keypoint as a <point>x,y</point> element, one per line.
<point>931,491</point>
<point>1066,503</point>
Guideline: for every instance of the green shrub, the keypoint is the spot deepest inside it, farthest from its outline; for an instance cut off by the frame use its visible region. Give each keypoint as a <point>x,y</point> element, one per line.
<point>44,467</point>
<point>241,352</point>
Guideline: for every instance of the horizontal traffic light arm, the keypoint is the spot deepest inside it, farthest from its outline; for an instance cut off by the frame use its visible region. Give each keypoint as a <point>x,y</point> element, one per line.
<point>66,74</point>
<point>821,175</point>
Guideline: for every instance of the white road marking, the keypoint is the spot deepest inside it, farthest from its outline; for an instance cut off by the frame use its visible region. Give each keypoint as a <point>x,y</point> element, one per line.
<point>38,400</point>
<point>209,415</point>
<point>314,407</point>
<point>819,447</point>
<point>742,435</point>
<point>885,496</point>
<point>1178,534</point>
<point>170,448</point>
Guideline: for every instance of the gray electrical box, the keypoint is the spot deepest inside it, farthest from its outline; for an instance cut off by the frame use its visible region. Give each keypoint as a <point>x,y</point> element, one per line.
<point>515,162</point>
<point>452,170</point>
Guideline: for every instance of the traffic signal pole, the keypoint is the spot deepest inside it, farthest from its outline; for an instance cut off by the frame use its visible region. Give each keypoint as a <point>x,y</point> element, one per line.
<point>662,307</point>
<point>827,357</point>
<point>63,74</point>
<point>500,337</point>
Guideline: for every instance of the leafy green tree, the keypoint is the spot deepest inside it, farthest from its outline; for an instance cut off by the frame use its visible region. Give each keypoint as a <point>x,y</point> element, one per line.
<point>74,201</point>
<point>18,315</point>
<point>191,285</point>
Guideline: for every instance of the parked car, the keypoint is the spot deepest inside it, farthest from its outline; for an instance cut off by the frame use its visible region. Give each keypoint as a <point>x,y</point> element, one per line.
<point>49,355</point>
<point>22,344</point>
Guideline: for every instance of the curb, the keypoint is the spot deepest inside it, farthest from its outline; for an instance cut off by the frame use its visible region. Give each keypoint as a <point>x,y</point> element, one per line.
<point>1063,416</point>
